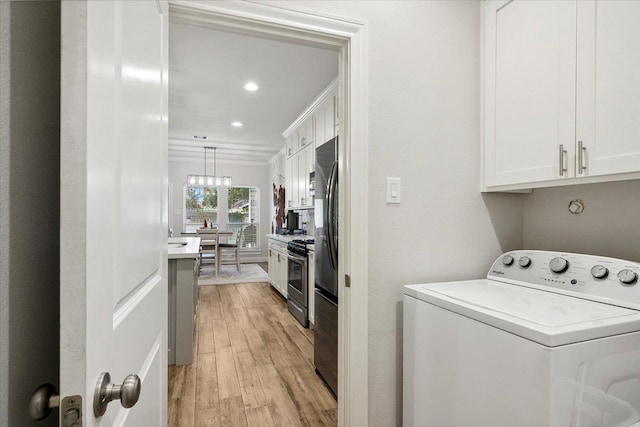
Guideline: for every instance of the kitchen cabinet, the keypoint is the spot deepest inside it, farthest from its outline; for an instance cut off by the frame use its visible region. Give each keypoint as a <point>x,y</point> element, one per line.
<point>277,266</point>
<point>291,143</point>
<point>555,113</point>
<point>301,137</point>
<point>326,122</point>
<point>608,87</point>
<point>183,268</point>
<point>297,169</point>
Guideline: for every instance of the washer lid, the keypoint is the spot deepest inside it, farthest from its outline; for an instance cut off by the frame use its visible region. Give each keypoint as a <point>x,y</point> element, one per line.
<point>544,317</point>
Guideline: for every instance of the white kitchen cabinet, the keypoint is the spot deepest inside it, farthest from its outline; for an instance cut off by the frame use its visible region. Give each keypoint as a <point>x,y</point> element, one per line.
<point>297,169</point>
<point>291,144</point>
<point>325,121</point>
<point>291,190</point>
<point>608,87</point>
<point>306,163</point>
<point>301,137</point>
<point>530,62</point>
<point>305,133</point>
<point>278,266</point>
<point>561,93</point>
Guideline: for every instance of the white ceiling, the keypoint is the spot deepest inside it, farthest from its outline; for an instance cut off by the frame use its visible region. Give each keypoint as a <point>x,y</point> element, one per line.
<point>207,71</point>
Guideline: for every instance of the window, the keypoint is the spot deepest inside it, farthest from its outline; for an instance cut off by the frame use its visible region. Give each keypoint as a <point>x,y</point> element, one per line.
<point>243,212</point>
<point>200,203</point>
<point>239,209</point>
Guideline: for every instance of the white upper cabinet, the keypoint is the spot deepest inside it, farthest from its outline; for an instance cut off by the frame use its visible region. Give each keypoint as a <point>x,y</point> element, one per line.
<point>608,87</point>
<point>316,125</point>
<point>529,105</point>
<point>561,99</point>
<point>305,133</point>
<point>325,121</point>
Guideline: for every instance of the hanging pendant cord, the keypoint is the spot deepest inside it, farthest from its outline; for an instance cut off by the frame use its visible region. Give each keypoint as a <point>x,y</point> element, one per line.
<point>205,161</point>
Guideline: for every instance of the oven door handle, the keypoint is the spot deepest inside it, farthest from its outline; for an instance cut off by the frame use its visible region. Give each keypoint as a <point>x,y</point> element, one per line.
<point>296,258</point>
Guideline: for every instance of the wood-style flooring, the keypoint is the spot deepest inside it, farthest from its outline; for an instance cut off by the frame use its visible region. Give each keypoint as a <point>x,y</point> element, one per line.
<point>253,365</point>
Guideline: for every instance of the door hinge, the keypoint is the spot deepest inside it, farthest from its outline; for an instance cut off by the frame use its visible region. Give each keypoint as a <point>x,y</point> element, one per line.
<point>347,281</point>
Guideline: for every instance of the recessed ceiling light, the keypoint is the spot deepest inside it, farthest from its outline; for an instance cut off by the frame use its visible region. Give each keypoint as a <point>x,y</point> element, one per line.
<point>251,86</point>
<point>236,124</point>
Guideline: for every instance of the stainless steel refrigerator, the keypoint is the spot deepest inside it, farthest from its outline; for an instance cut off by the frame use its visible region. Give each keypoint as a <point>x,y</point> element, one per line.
<point>326,264</point>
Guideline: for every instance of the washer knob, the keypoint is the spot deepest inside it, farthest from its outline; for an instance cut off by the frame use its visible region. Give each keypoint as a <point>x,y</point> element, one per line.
<point>559,265</point>
<point>599,272</point>
<point>524,262</point>
<point>627,277</point>
<point>507,260</point>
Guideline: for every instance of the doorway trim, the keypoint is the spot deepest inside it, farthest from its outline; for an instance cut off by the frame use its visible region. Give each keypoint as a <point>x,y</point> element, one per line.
<point>349,37</point>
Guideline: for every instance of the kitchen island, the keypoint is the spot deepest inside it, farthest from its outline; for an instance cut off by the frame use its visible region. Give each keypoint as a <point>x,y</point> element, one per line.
<point>184,262</point>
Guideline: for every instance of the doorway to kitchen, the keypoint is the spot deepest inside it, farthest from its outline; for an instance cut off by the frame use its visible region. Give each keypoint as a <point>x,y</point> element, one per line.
<point>349,39</point>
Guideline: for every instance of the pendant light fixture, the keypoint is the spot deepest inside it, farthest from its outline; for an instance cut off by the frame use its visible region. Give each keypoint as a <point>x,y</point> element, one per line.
<point>210,180</point>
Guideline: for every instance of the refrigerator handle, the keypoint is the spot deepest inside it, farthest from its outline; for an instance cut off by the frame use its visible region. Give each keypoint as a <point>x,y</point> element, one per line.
<point>331,229</point>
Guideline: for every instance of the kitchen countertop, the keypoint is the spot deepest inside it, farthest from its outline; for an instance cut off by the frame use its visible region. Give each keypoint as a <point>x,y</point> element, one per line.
<point>190,250</point>
<point>286,238</point>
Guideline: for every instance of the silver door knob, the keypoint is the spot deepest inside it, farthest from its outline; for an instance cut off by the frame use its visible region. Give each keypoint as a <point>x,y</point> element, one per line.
<point>43,400</point>
<point>128,393</point>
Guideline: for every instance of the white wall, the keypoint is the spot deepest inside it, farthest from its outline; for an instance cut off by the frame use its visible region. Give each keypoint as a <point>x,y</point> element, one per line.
<point>609,225</point>
<point>424,126</point>
<point>242,174</point>
<point>29,204</point>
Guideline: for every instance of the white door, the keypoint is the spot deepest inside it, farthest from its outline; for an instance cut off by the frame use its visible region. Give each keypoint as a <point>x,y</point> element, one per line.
<point>608,103</point>
<point>113,299</point>
<point>530,49</point>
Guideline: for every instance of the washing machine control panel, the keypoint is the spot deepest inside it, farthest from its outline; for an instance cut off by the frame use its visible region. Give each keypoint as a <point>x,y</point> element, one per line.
<point>598,278</point>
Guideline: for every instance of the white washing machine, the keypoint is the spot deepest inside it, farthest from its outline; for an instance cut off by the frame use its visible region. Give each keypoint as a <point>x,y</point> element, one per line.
<point>547,339</point>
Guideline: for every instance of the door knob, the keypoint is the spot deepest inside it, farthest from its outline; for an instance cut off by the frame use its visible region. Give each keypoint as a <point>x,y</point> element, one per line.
<point>43,400</point>
<point>128,392</point>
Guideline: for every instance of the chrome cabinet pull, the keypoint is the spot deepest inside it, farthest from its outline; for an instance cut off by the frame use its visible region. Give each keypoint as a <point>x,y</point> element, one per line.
<point>581,151</point>
<point>562,152</point>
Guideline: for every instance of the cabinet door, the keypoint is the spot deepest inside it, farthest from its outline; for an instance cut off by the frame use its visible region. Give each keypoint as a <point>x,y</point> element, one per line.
<point>272,260</point>
<point>530,68</point>
<point>283,273</point>
<point>319,126</point>
<point>295,177</point>
<point>289,181</point>
<point>306,133</point>
<point>608,99</point>
<point>303,186</point>
<point>291,144</point>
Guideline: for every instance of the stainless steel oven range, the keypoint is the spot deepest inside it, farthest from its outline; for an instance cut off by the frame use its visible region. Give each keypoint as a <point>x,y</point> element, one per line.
<point>298,280</point>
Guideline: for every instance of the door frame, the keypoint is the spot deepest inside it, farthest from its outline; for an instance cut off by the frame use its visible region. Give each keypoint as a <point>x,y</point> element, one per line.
<point>349,37</point>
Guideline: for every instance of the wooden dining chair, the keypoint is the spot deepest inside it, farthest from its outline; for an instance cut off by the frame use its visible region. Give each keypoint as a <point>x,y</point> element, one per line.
<point>208,245</point>
<point>230,247</point>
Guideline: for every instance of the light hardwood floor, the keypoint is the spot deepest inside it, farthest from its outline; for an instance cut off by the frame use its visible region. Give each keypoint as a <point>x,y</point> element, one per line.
<point>253,367</point>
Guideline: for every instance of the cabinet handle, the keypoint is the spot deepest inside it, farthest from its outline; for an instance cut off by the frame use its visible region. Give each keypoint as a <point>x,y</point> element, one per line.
<point>562,168</point>
<point>581,150</point>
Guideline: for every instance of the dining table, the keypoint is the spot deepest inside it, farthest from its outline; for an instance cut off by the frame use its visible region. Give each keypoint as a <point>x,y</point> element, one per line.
<point>212,244</point>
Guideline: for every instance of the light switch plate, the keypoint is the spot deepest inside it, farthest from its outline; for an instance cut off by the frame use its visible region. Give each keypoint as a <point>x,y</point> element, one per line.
<point>394,190</point>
